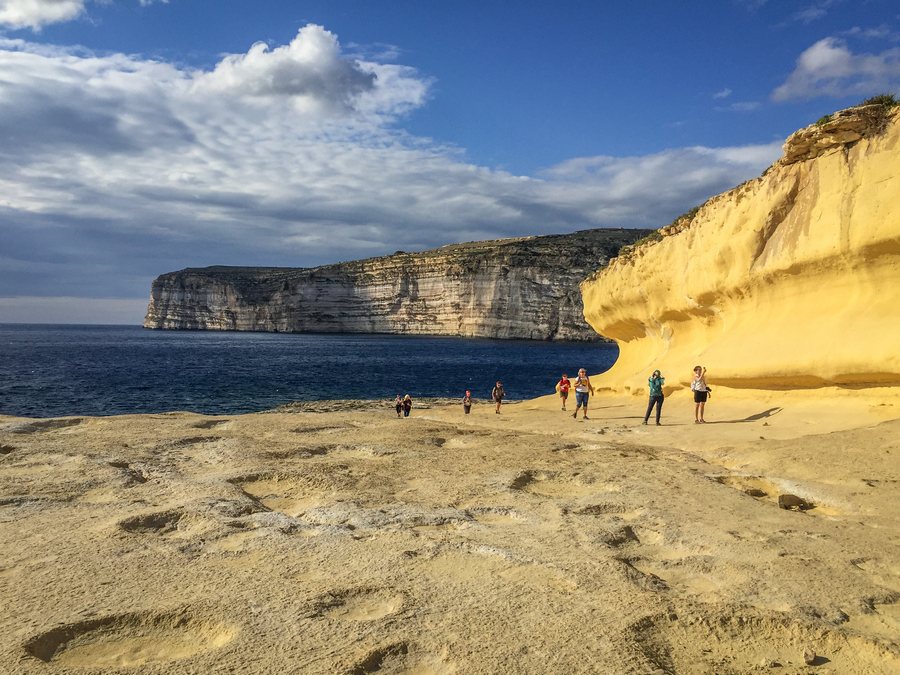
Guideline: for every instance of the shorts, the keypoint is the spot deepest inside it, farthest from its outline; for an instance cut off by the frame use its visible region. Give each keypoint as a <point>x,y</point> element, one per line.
<point>564,394</point>
<point>700,396</point>
<point>581,398</point>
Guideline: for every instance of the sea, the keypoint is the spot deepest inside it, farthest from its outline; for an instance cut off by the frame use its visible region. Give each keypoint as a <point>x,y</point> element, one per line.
<point>66,370</point>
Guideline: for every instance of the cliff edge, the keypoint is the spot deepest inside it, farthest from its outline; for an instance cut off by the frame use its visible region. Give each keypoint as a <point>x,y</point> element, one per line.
<point>789,281</point>
<point>524,288</point>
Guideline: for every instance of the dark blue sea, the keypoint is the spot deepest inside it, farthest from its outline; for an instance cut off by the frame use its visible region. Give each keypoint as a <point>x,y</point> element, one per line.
<point>54,371</point>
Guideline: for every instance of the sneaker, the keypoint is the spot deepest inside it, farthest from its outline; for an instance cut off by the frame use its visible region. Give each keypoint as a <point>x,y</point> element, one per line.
<point>564,408</point>
<point>575,414</point>
<point>643,424</point>
<point>657,424</point>
<point>586,417</point>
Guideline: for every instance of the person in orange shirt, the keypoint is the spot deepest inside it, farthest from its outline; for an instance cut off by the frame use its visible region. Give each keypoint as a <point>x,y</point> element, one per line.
<point>563,387</point>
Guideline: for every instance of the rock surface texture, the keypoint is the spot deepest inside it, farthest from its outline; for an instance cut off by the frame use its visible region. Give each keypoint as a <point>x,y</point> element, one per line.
<point>789,281</point>
<point>352,543</point>
<point>524,288</point>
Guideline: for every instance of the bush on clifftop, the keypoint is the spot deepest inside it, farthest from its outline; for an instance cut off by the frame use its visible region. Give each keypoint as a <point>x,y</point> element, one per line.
<point>887,100</point>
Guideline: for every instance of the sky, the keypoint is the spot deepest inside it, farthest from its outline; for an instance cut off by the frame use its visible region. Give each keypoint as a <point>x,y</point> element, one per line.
<point>139,137</point>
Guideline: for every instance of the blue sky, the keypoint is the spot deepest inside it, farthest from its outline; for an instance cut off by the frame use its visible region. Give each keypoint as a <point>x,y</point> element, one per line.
<point>144,137</point>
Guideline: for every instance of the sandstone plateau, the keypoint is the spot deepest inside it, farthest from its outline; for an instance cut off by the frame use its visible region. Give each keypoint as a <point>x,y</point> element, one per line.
<point>789,281</point>
<point>525,288</point>
<point>525,542</point>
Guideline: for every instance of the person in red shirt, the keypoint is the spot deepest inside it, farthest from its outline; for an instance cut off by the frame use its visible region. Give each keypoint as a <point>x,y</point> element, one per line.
<point>563,387</point>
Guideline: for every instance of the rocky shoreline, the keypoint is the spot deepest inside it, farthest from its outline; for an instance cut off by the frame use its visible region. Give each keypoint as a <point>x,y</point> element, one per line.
<point>358,405</point>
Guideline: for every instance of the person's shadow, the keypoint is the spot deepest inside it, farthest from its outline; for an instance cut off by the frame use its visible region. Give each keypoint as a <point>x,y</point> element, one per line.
<point>753,418</point>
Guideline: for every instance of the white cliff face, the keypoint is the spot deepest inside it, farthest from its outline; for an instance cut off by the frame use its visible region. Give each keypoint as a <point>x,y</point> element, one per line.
<point>514,288</point>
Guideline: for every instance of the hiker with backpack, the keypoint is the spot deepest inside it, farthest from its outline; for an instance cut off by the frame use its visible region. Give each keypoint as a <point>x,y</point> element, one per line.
<point>497,394</point>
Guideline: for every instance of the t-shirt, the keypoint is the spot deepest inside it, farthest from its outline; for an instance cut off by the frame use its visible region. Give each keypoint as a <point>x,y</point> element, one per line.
<point>498,393</point>
<point>564,384</point>
<point>581,384</point>
<point>656,386</point>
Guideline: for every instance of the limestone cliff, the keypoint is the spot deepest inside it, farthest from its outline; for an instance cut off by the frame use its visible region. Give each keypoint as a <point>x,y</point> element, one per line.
<point>512,288</point>
<point>789,281</point>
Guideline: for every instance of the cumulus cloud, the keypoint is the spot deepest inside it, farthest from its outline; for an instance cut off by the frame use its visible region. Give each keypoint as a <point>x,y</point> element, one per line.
<point>115,169</point>
<point>310,71</point>
<point>829,68</point>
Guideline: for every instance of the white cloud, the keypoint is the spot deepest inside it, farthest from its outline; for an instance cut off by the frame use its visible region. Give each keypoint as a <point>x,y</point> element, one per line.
<point>632,182</point>
<point>829,68</point>
<point>376,51</point>
<point>882,32</point>
<point>38,13</point>
<point>725,93</point>
<point>116,169</point>
<point>739,106</point>
<point>810,14</point>
<point>309,70</point>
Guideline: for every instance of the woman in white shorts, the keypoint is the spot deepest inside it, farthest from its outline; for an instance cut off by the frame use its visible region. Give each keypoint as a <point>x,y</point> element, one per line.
<point>583,391</point>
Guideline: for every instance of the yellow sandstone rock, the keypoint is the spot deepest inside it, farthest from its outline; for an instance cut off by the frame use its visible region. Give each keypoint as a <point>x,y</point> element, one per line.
<point>789,281</point>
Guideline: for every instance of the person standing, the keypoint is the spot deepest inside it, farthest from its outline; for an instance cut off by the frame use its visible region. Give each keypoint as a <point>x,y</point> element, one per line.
<point>398,404</point>
<point>563,387</point>
<point>701,393</point>
<point>498,395</point>
<point>656,382</point>
<point>467,402</point>
<point>407,405</point>
<point>583,391</point>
